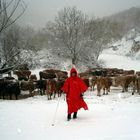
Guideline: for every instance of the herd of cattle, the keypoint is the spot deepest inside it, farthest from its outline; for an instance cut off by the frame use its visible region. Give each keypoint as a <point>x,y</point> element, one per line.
<point>104,78</point>
<point>51,81</point>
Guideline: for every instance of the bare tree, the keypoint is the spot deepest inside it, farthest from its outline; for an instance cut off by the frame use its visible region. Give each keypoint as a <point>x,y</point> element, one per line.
<point>68,30</point>
<point>10,12</point>
<point>10,45</point>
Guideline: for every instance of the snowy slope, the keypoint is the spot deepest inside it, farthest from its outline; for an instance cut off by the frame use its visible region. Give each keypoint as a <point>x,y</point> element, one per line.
<point>118,55</point>
<point>118,61</point>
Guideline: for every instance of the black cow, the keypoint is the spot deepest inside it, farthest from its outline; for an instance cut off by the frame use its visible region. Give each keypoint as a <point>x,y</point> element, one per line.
<point>99,73</point>
<point>41,85</point>
<point>8,88</point>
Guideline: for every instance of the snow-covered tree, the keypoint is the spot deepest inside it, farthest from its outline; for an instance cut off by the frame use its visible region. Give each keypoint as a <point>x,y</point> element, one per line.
<point>68,31</point>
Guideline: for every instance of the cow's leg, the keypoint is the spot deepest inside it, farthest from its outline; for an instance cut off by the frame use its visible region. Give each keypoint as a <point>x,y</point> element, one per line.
<point>123,89</point>
<point>104,91</point>
<point>31,93</point>
<point>54,94</point>
<point>126,88</point>
<point>60,93</point>
<point>41,92</point>
<point>107,90</point>
<point>98,91</point>
<point>16,96</point>
<point>138,88</point>
<point>134,88</point>
<point>3,96</point>
<point>48,96</point>
<point>10,96</point>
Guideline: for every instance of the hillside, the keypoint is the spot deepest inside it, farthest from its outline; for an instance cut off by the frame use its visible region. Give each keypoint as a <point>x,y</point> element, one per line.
<point>130,18</point>
<point>123,53</point>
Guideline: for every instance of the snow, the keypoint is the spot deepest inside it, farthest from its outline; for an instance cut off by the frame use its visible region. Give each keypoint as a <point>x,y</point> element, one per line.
<point>120,57</point>
<point>114,116</point>
<point>137,39</point>
<point>118,61</point>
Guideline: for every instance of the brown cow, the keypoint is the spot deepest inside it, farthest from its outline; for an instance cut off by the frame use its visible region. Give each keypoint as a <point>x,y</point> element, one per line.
<point>23,74</point>
<point>51,88</point>
<point>28,86</point>
<point>92,82</point>
<point>128,72</point>
<point>86,80</point>
<point>61,75</point>
<point>111,72</point>
<point>103,83</point>
<point>32,77</point>
<point>59,85</point>
<point>46,75</point>
<point>124,81</point>
<point>138,84</point>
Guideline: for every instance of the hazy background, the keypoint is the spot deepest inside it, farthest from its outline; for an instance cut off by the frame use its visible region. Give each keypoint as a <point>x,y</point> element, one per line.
<point>39,12</point>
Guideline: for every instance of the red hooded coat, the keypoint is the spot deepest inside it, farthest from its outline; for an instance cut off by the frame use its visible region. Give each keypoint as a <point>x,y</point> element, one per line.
<point>74,87</point>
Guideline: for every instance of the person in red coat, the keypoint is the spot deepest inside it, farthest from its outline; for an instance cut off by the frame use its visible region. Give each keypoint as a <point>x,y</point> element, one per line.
<point>74,87</point>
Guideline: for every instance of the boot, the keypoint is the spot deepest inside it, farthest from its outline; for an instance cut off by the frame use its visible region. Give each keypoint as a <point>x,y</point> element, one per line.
<point>75,115</point>
<point>69,117</point>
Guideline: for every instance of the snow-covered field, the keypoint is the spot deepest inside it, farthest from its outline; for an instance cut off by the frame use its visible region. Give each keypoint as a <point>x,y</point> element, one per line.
<point>111,117</point>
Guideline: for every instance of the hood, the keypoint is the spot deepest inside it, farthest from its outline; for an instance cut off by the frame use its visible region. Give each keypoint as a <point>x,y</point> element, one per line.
<point>73,70</point>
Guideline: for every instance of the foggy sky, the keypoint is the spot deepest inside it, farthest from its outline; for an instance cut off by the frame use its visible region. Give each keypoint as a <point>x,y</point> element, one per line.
<point>39,12</point>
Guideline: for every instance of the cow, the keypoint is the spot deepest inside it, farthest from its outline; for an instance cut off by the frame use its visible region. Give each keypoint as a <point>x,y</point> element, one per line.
<point>124,81</point>
<point>9,88</point>
<point>59,85</point>
<point>137,84</point>
<point>51,88</point>
<point>28,86</point>
<point>41,85</point>
<point>99,73</point>
<point>86,81</point>
<point>128,72</point>
<point>92,82</point>
<point>32,77</point>
<point>23,75</point>
<point>112,72</point>
<point>61,75</point>
<point>46,75</point>
<point>103,83</point>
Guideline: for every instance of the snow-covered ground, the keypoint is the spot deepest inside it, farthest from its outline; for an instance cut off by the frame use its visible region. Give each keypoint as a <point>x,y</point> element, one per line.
<point>111,117</point>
